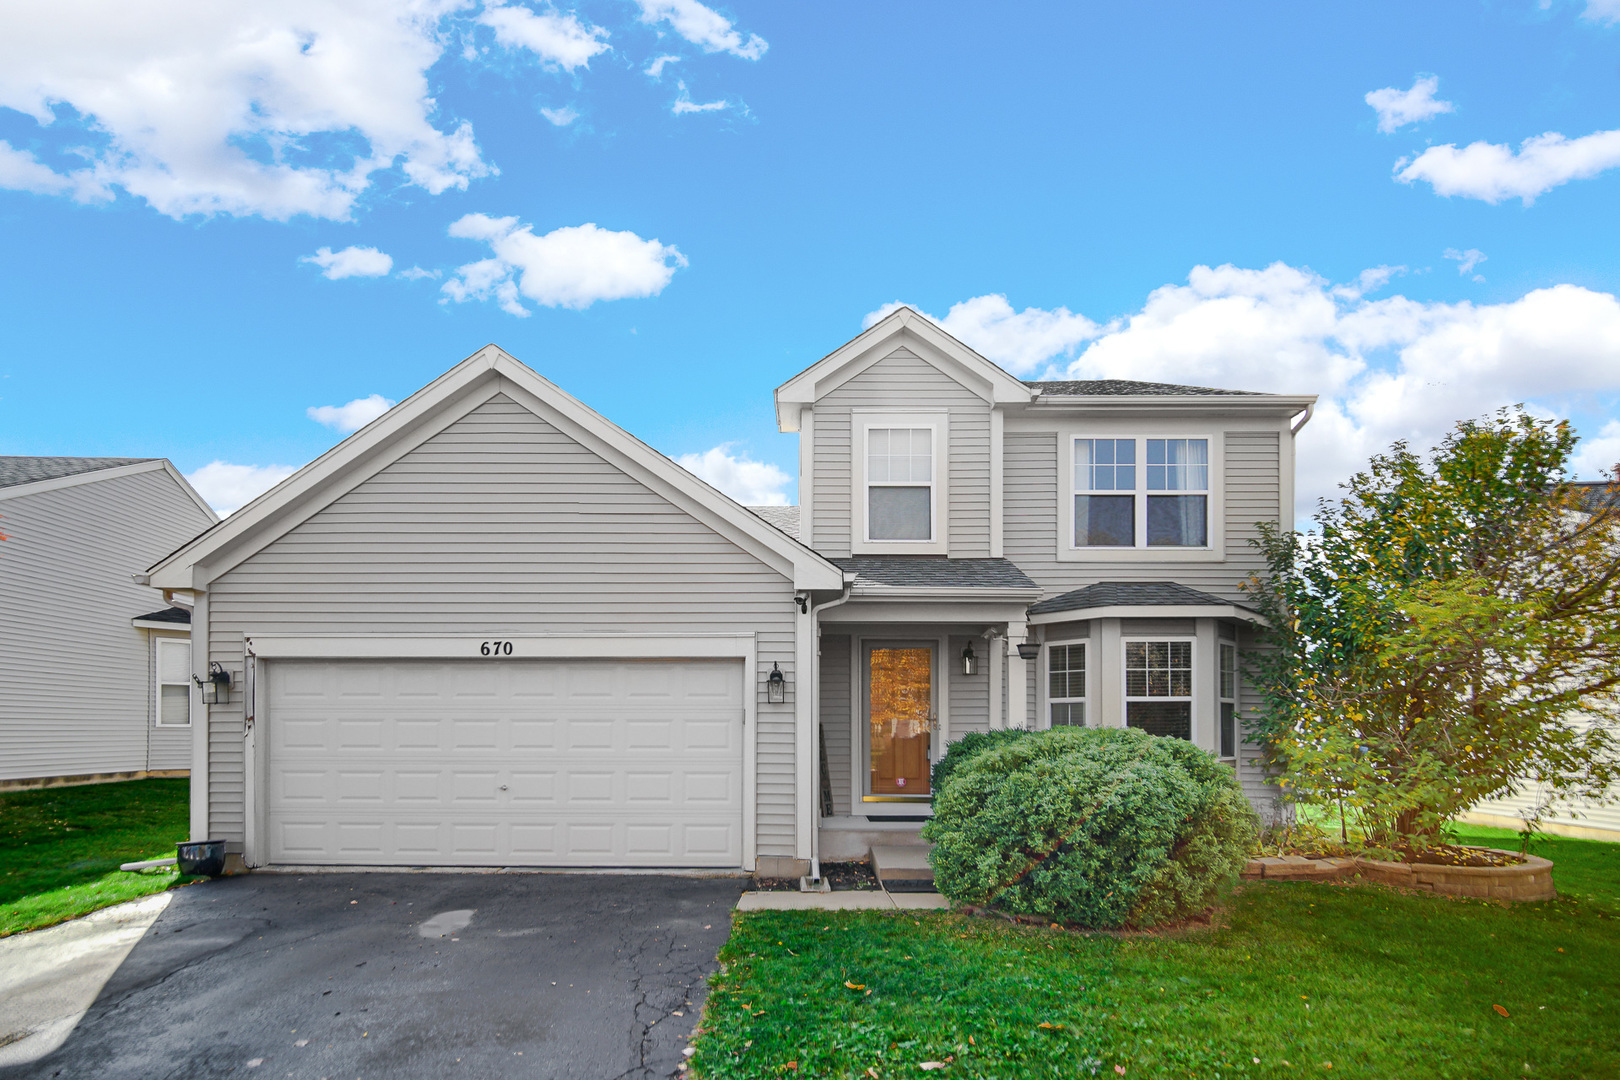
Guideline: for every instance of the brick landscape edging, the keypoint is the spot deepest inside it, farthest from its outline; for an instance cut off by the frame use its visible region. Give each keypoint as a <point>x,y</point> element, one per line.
<point>1527,880</point>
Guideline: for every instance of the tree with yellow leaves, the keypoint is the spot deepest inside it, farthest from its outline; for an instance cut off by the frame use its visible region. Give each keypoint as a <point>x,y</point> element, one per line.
<point>1450,630</point>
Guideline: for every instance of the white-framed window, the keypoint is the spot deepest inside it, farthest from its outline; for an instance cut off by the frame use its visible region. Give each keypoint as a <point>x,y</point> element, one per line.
<point>1158,685</point>
<point>1227,701</point>
<point>172,707</point>
<point>1066,683</point>
<point>899,494</point>
<point>1137,492</point>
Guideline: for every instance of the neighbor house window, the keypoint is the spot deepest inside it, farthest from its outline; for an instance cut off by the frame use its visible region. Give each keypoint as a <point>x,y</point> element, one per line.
<point>173,706</point>
<point>1158,687</point>
<point>1141,493</point>
<point>1228,700</point>
<point>900,484</point>
<point>1066,683</point>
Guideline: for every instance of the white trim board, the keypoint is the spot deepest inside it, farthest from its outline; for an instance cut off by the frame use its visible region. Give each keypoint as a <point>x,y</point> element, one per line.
<point>524,647</point>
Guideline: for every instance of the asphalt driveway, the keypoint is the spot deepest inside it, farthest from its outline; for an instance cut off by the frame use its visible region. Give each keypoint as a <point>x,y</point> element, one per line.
<point>403,975</point>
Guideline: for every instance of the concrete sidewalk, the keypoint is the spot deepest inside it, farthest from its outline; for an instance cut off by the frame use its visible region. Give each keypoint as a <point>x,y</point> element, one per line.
<point>865,900</point>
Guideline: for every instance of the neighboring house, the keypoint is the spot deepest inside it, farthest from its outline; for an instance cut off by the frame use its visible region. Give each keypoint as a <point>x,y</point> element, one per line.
<point>1567,817</point>
<point>492,628</point>
<point>93,682</point>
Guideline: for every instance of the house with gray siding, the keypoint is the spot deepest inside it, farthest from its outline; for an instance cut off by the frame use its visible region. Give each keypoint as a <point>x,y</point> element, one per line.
<point>93,681</point>
<point>493,629</point>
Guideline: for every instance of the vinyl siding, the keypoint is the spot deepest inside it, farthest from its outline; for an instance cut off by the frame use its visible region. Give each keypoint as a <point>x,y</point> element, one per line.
<point>1252,494</point>
<point>970,694</point>
<point>903,380</point>
<point>502,524</point>
<point>835,726</point>
<point>74,675</point>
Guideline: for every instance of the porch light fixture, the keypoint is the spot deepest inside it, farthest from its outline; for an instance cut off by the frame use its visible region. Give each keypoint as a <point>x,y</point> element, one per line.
<point>776,686</point>
<point>1029,650</point>
<point>217,690</point>
<point>970,663</point>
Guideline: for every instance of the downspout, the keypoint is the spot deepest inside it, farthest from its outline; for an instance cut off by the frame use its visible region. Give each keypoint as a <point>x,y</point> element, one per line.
<point>1303,420</point>
<point>815,773</point>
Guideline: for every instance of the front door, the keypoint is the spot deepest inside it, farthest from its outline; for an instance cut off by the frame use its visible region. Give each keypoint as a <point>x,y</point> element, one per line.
<point>900,720</point>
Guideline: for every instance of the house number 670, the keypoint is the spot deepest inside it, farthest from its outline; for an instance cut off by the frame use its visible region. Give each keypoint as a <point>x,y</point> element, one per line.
<point>495,648</point>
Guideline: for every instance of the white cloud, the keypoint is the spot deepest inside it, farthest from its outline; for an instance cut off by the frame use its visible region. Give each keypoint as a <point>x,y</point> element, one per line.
<point>350,262</point>
<point>1598,454</point>
<point>703,27</point>
<point>1602,11</point>
<point>227,488</point>
<point>1386,369</point>
<point>22,171</point>
<point>1466,260</point>
<point>752,483</point>
<point>353,416</point>
<point>1019,341</point>
<point>561,117</point>
<point>656,68</point>
<point>1493,172</point>
<point>1397,108</point>
<point>416,273</point>
<point>558,40</point>
<point>200,107</point>
<point>684,103</point>
<point>570,267</point>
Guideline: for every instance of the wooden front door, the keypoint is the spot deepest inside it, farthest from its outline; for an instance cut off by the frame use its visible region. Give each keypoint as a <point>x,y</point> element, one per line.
<point>900,720</point>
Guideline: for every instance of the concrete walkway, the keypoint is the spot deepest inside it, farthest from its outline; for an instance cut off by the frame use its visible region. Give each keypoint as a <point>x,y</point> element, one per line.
<point>864,900</point>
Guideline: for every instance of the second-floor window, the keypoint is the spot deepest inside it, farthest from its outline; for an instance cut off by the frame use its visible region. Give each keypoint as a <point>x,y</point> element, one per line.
<point>1131,493</point>
<point>900,483</point>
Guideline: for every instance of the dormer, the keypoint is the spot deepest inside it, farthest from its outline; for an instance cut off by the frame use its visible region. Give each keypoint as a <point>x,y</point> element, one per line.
<point>900,443</point>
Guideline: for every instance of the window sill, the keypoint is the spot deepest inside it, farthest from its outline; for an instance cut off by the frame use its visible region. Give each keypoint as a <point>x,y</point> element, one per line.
<point>1148,554</point>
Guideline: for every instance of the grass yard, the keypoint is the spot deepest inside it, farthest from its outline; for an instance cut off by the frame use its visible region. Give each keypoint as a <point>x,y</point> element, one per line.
<point>1324,980</point>
<point>60,848</point>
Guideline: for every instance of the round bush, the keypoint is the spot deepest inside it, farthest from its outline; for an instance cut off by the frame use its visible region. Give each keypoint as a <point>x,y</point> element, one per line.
<point>1099,827</point>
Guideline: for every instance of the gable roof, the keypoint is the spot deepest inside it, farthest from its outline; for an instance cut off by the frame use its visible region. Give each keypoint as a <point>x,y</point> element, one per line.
<point>907,326</point>
<point>27,470</point>
<point>933,572</point>
<point>1124,598</point>
<point>483,375</point>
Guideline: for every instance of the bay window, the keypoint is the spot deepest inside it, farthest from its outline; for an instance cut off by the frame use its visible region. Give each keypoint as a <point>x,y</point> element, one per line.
<point>1158,687</point>
<point>1066,684</point>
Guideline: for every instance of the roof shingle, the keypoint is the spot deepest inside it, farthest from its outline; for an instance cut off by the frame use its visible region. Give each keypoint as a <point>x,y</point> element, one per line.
<point>934,572</point>
<point>1129,388</point>
<point>1131,594</point>
<point>785,518</point>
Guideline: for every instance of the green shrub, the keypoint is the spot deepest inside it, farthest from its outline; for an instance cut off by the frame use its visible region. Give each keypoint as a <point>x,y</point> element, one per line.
<point>1098,827</point>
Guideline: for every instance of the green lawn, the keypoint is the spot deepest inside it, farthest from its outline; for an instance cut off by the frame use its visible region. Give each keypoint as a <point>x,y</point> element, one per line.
<point>60,847</point>
<point>1377,983</point>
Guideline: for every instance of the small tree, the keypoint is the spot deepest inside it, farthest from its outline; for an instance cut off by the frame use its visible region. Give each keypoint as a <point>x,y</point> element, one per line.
<point>1452,630</point>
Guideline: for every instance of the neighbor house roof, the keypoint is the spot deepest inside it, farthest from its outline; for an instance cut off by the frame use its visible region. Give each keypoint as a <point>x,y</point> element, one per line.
<point>28,470</point>
<point>1137,594</point>
<point>934,572</point>
<point>1596,494</point>
<point>1129,388</point>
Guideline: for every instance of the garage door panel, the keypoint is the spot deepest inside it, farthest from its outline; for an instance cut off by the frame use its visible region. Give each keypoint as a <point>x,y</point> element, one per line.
<point>585,763</point>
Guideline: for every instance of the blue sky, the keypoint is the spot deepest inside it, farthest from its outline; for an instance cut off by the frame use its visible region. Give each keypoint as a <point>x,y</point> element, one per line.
<point>1182,192</point>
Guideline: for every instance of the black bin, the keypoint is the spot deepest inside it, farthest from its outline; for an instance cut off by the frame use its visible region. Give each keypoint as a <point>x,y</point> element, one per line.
<point>201,858</point>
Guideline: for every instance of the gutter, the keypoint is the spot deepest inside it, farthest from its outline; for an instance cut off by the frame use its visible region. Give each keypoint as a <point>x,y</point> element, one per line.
<point>1303,420</point>
<point>815,773</point>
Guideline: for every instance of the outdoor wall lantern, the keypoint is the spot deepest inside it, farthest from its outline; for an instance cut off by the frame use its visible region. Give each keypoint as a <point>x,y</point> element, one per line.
<point>217,690</point>
<point>776,686</point>
<point>970,662</point>
<point>1029,650</point>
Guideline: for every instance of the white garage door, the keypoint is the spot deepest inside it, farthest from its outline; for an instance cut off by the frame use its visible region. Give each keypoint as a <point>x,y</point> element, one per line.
<point>505,763</point>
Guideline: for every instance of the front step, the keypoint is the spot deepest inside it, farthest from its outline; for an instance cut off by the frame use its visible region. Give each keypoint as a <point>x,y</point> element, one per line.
<point>903,868</point>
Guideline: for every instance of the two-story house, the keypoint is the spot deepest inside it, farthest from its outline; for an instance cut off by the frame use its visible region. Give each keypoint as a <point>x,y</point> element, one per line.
<point>493,629</point>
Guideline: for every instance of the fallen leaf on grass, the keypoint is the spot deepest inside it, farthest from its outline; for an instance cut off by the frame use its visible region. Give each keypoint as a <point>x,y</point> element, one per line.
<point>871,1072</point>
<point>1120,1069</point>
<point>854,985</point>
<point>1500,1011</point>
<point>928,1065</point>
<point>1051,1027</point>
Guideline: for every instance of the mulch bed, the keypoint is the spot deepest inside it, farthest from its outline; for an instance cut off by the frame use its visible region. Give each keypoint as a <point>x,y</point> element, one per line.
<point>1457,855</point>
<point>842,876</point>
